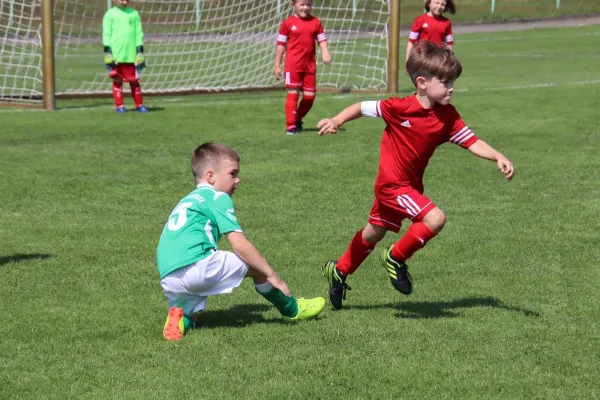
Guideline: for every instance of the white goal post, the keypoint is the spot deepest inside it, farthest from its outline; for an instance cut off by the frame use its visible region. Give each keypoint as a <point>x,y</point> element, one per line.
<point>53,48</point>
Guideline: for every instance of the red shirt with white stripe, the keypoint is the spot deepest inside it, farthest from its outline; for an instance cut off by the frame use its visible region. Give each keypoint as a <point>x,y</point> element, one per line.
<point>299,35</point>
<point>436,29</point>
<point>411,135</point>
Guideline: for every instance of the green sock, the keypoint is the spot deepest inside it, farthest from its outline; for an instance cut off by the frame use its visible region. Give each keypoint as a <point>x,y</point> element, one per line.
<point>287,306</point>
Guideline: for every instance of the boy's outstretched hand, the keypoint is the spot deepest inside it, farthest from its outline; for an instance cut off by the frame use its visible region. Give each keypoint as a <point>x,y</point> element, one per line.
<point>506,167</point>
<point>327,125</point>
<point>278,283</point>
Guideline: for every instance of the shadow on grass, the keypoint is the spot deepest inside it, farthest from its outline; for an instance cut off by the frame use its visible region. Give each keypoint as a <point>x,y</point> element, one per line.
<point>17,258</point>
<point>154,109</point>
<point>237,316</point>
<point>444,309</point>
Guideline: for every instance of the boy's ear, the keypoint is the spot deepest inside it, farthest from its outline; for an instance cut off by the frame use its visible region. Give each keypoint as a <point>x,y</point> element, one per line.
<point>209,175</point>
<point>421,82</point>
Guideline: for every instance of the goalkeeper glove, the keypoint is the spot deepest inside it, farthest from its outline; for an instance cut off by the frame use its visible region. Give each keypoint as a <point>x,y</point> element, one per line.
<point>140,60</point>
<point>110,63</point>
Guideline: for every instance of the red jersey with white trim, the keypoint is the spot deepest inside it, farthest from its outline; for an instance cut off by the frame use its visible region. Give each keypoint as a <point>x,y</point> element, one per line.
<point>299,35</point>
<point>436,29</point>
<point>411,135</point>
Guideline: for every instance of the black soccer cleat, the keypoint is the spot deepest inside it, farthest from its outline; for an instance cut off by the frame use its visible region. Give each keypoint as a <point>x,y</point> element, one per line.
<point>337,284</point>
<point>298,126</point>
<point>397,271</point>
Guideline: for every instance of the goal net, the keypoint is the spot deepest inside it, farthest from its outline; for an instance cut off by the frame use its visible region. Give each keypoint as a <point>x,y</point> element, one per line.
<point>190,45</point>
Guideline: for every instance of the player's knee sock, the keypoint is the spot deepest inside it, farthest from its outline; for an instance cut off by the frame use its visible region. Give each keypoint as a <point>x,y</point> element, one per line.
<point>415,238</point>
<point>305,106</point>
<point>287,306</point>
<point>118,93</point>
<point>136,93</point>
<point>357,252</point>
<point>290,110</point>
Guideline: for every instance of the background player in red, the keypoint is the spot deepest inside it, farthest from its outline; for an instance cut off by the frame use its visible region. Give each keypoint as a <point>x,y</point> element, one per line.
<point>298,34</point>
<point>415,126</point>
<point>432,25</point>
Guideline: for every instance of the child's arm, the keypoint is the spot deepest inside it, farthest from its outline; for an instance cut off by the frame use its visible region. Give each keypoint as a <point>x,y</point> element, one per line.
<point>331,125</point>
<point>483,150</point>
<point>247,252</point>
<point>409,48</point>
<point>140,59</point>
<point>109,60</point>
<point>325,52</point>
<point>278,56</point>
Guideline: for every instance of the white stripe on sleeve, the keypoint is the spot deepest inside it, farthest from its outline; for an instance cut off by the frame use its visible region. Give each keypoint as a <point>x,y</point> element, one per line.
<point>282,38</point>
<point>449,39</point>
<point>321,37</point>
<point>370,109</point>
<point>461,136</point>
<point>414,35</point>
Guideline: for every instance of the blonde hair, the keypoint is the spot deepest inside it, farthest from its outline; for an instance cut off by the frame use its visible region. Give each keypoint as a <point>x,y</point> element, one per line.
<point>429,59</point>
<point>210,155</point>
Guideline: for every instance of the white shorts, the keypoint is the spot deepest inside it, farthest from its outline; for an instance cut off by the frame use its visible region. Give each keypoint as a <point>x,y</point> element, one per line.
<point>189,287</point>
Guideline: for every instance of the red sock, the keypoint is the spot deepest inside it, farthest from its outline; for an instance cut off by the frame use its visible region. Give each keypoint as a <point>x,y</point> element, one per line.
<point>118,93</point>
<point>304,107</point>
<point>136,93</point>
<point>290,110</point>
<point>357,252</point>
<point>415,238</point>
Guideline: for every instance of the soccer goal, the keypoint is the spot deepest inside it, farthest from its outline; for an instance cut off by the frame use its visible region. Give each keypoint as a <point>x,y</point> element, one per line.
<point>52,48</point>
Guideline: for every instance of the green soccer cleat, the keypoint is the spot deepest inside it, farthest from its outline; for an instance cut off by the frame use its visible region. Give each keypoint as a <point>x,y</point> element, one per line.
<point>308,308</point>
<point>397,271</point>
<point>175,325</point>
<point>337,284</point>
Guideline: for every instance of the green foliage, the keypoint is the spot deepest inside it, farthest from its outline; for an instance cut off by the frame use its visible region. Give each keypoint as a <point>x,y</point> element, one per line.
<point>506,297</point>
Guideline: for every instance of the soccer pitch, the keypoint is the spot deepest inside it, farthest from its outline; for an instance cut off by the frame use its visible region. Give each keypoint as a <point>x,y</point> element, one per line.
<point>505,302</point>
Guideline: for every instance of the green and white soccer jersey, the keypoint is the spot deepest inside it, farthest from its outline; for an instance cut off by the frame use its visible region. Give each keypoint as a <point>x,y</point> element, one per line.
<point>194,227</point>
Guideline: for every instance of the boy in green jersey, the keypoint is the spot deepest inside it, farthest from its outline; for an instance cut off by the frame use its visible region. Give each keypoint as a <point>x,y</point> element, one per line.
<point>190,264</point>
<point>123,41</point>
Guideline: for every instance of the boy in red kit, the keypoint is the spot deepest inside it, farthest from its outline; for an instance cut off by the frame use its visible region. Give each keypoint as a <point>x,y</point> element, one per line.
<point>415,126</point>
<point>298,33</point>
<point>432,25</point>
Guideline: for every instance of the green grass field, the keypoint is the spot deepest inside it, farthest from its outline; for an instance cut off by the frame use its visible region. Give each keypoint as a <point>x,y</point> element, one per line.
<point>506,297</point>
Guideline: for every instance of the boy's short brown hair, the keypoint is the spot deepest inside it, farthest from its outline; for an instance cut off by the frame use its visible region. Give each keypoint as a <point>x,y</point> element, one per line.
<point>210,155</point>
<point>429,60</point>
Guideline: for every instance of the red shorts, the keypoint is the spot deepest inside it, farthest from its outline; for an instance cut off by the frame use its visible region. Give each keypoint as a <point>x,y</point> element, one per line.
<point>301,80</point>
<point>127,73</point>
<point>406,203</point>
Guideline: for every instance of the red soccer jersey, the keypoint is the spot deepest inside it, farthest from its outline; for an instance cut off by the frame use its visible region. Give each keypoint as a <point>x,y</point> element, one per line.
<point>411,135</point>
<point>431,28</point>
<point>299,35</point>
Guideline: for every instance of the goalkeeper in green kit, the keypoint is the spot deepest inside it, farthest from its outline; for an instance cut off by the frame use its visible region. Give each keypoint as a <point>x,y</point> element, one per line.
<point>123,41</point>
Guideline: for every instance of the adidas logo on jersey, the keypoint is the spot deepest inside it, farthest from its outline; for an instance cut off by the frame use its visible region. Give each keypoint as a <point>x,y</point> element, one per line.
<point>294,27</point>
<point>425,25</point>
<point>406,124</point>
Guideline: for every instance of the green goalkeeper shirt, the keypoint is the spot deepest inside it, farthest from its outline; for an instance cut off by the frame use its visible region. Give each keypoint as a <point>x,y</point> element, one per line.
<point>194,227</point>
<point>122,32</point>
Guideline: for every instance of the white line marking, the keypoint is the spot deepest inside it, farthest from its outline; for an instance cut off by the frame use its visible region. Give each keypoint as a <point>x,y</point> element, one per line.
<point>532,86</point>
<point>210,103</point>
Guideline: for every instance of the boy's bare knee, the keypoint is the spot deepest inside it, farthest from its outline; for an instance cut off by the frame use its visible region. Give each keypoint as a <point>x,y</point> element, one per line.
<point>373,234</point>
<point>435,220</point>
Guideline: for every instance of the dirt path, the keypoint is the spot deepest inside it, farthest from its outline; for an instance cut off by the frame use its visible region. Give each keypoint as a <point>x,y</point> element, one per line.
<point>560,22</point>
